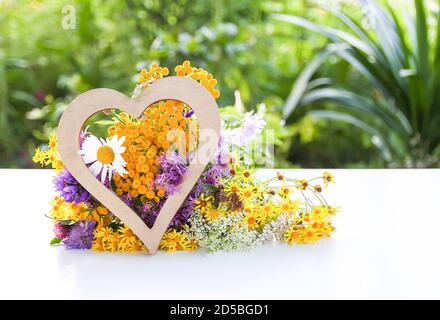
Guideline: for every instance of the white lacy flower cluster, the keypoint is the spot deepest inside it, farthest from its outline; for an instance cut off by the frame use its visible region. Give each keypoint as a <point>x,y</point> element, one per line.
<point>229,233</point>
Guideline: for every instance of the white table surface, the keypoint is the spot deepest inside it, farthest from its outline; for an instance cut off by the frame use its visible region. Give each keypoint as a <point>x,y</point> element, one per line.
<point>386,246</point>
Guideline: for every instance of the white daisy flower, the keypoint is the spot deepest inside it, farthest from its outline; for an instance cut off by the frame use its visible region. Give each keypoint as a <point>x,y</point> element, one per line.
<point>105,156</point>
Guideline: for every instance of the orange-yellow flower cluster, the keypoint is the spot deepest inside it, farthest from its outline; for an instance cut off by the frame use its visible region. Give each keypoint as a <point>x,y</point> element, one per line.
<point>174,240</point>
<point>49,156</point>
<point>312,226</point>
<point>62,210</point>
<point>198,74</point>
<point>155,73</point>
<point>163,125</point>
<point>146,139</point>
<point>122,239</point>
<point>184,70</point>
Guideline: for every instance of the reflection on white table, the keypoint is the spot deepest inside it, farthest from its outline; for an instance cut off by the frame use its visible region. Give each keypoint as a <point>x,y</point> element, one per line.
<point>386,246</point>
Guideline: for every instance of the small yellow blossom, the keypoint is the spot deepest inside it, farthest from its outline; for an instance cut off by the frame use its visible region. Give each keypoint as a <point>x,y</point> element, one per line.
<point>231,187</point>
<point>285,191</point>
<point>246,173</point>
<point>252,219</point>
<point>246,194</point>
<point>328,177</point>
<point>53,142</point>
<point>293,235</point>
<point>303,184</point>
<point>174,240</point>
<point>62,210</point>
<point>204,203</point>
<point>213,214</point>
<point>39,157</point>
<point>289,206</point>
<point>126,238</point>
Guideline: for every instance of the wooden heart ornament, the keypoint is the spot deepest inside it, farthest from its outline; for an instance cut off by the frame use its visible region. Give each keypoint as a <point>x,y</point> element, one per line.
<point>87,104</point>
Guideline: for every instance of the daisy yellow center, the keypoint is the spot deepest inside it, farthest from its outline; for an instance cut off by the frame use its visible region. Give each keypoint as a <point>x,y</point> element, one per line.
<point>105,155</point>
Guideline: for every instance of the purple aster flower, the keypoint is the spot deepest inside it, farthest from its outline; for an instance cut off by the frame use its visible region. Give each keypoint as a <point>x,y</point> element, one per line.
<point>222,152</point>
<point>173,168</point>
<point>70,189</point>
<point>183,214</point>
<point>150,212</point>
<point>61,230</point>
<point>148,206</point>
<point>128,199</point>
<point>214,173</point>
<point>81,235</point>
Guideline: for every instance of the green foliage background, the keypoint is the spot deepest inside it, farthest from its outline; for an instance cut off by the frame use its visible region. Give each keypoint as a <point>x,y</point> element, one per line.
<point>43,66</point>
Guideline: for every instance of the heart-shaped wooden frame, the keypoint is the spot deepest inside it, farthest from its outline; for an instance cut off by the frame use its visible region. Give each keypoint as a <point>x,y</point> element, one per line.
<point>87,104</point>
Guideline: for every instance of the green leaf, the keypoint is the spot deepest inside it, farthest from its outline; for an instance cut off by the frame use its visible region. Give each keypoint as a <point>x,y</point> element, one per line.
<point>377,138</point>
<point>422,40</point>
<point>210,188</point>
<point>437,39</point>
<point>388,37</point>
<point>300,85</point>
<point>106,122</point>
<point>355,102</point>
<point>25,97</point>
<point>65,222</point>
<point>331,33</point>
<point>55,241</point>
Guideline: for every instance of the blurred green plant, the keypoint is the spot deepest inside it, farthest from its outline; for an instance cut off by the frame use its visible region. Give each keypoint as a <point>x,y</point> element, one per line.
<point>43,66</point>
<point>399,104</point>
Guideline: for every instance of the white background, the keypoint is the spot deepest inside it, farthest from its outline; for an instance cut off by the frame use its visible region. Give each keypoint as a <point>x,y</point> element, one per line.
<point>386,246</point>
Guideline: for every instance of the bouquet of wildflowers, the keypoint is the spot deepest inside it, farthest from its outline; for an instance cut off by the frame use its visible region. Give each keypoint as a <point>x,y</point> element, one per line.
<point>228,208</point>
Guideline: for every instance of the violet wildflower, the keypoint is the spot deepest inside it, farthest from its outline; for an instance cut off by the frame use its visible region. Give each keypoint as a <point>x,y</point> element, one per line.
<point>173,168</point>
<point>183,214</point>
<point>81,235</point>
<point>61,230</point>
<point>252,126</point>
<point>128,199</point>
<point>215,173</point>
<point>150,213</point>
<point>222,152</point>
<point>188,114</point>
<point>70,188</point>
